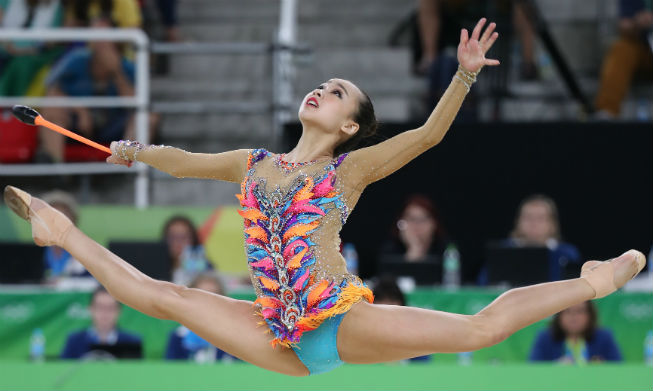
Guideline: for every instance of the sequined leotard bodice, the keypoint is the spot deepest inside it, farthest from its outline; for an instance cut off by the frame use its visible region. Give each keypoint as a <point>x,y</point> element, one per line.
<point>293,215</point>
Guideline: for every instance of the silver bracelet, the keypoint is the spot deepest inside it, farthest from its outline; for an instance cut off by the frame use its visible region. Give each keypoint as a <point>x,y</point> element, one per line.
<point>470,76</point>
<point>124,145</point>
<point>465,83</point>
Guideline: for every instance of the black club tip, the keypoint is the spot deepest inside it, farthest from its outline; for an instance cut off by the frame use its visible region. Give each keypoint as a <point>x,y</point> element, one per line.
<point>25,114</point>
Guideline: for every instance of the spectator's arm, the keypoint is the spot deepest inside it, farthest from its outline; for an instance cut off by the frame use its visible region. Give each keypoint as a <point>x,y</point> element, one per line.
<point>611,349</point>
<point>428,16</point>
<point>123,83</point>
<point>539,348</point>
<point>174,350</point>
<point>68,351</point>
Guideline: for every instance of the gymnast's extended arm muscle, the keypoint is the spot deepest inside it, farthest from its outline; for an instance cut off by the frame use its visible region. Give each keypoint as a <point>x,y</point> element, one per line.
<point>228,166</point>
<point>381,160</point>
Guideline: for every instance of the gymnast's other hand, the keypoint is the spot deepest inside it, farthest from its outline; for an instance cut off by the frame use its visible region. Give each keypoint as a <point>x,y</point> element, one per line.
<point>471,50</point>
<point>114,159</point>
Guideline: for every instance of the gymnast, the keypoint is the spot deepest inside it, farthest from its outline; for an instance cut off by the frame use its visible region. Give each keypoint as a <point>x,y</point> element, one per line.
<point>317,315</point>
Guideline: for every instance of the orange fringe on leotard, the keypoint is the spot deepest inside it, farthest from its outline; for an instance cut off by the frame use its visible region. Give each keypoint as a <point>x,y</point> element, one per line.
<point>349,295</point>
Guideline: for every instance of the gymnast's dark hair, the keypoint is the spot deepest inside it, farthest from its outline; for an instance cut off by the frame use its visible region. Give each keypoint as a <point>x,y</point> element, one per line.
<point>366,120</point>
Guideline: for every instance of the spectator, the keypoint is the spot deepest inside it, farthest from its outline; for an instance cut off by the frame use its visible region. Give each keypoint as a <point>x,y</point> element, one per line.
<point>168,11</point>
<point>99,70</point>
<point>58,262</point>
<point>186,253</point>
<point>22,61</point>
<point>440,22</point>
<point>122,13</point>
<point>105,311</point>
<point>537,225</point>
<point>632,52</point>
<point>574,338</point>
<point>387,292</point>
<point>183,344</point>
<point>418,234</point>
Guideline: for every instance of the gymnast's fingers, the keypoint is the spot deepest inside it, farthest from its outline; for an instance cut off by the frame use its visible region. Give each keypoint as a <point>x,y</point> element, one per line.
<point>464,36</point>
<point>477,30</point>
<point>490,42</point>
<point>116,160</point>
<point>487,33</point>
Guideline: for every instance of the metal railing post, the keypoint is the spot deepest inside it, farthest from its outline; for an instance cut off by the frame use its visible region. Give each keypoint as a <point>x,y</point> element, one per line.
<point>283,69</point>
<point>140,101</point>
<point>141,183</point>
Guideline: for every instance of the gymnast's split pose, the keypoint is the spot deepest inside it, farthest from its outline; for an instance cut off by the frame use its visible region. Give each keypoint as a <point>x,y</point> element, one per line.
<point>317,314</point>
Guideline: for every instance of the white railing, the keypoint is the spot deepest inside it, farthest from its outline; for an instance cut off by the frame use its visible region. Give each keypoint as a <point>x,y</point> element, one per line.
<point>284,70</point>
<point>140,102</point>
<point>279,103</point>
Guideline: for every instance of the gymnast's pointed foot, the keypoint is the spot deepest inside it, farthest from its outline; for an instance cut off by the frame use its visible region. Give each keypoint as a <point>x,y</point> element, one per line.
<point>606,277</point>
<point>49,226</point>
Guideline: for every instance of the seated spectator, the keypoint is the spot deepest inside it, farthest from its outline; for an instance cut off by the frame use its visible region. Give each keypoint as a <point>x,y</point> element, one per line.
<point>630,54</point>
<point>104,330</point>
<point>418,234</point>
<point>21,62</point>
<point>58,262</point>
<point>574,338</point>
<point>184,344</point>
<point>99,70</point>
<point>186,253</point>
<point>537,225</point>
<point>123,13</point>
<point>387,292</point>
<point>440,22</point>
<point>168,11</point>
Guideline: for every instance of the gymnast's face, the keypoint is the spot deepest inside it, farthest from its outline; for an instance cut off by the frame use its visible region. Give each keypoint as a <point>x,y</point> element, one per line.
<point>331,107</point>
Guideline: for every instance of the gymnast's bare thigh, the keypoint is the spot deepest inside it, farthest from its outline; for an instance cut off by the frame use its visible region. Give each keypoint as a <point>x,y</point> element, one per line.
<point>372,333</point>
<point>233,326</point>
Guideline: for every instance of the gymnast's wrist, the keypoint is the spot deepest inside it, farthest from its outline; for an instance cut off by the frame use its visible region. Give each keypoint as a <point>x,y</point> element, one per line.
<point>127,149</point>
<point>467,78</point>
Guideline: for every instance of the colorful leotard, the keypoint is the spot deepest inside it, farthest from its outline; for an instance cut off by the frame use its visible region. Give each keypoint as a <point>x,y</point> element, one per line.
<point>293,214</point>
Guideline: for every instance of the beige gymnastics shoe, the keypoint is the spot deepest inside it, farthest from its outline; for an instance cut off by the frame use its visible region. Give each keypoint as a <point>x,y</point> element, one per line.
<point>49,226</point>
<point>606,277</point>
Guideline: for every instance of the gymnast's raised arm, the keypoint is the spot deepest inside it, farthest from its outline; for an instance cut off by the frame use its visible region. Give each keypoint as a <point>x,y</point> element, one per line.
<point>381,160</point>
<point>227,166</point>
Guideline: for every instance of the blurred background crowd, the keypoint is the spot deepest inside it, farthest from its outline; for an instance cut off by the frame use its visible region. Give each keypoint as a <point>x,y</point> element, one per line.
<point>547,165</point>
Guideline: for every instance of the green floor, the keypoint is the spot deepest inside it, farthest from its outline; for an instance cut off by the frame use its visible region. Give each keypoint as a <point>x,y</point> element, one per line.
<point>187,376</point>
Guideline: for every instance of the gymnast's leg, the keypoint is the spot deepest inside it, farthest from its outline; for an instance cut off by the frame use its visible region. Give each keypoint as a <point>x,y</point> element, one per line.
<point>372,333</point>
<point>229,324</point>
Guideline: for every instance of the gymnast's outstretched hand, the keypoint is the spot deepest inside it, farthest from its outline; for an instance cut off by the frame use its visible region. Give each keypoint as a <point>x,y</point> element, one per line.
<point>114,156</point>
<point>471,50</point>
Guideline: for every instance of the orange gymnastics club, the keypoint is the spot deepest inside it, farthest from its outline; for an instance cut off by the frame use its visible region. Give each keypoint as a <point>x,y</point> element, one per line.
<point>31,117</point>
